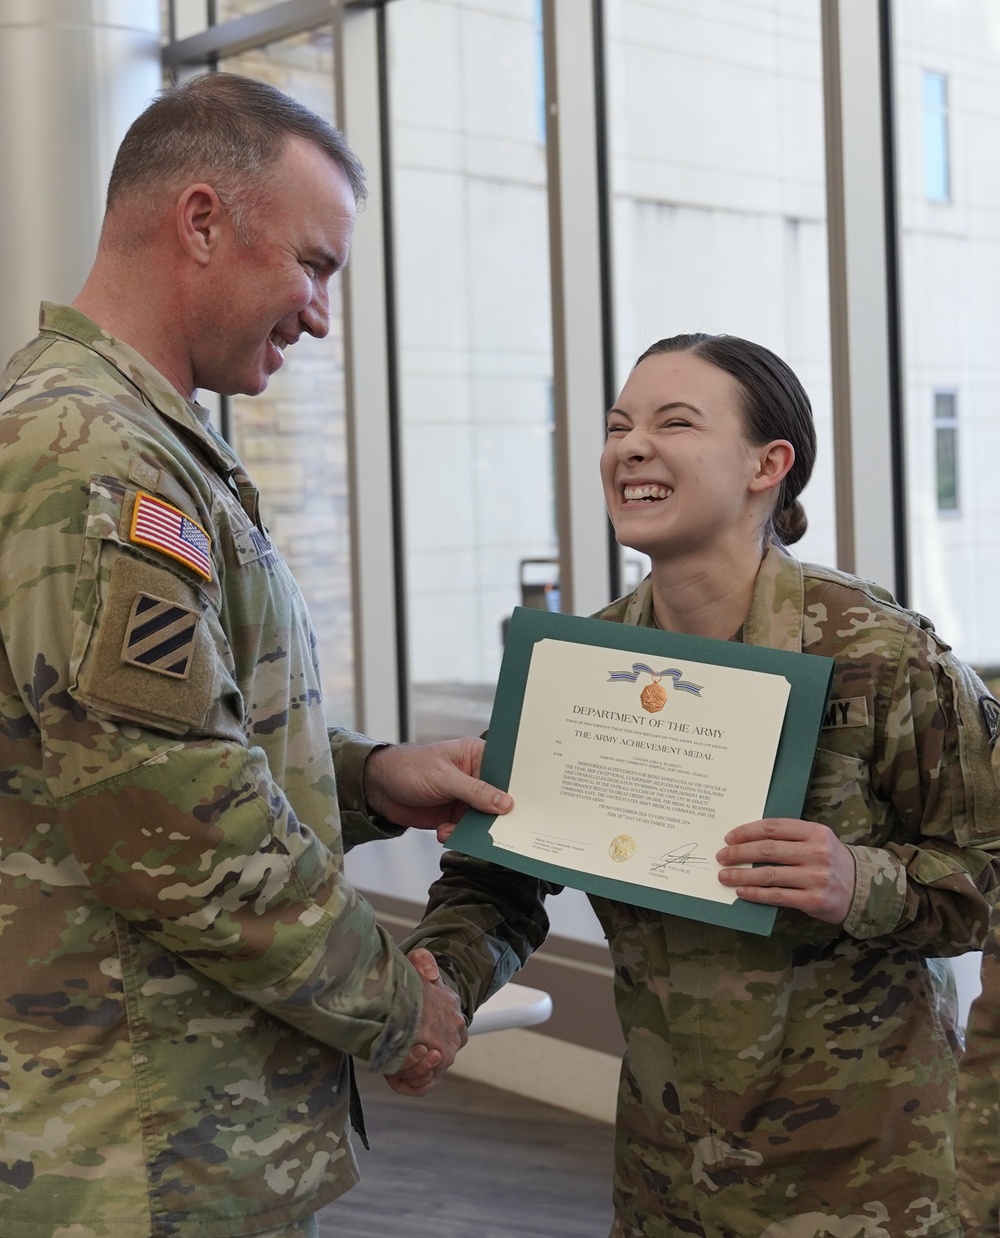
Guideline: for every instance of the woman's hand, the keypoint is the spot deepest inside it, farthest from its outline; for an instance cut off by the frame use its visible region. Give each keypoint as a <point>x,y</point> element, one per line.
<point>803,865</point>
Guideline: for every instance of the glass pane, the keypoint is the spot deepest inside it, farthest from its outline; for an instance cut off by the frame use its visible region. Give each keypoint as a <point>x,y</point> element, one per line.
<point>192,16</point>
<point>228,10</point>
<point>292,438</point>
<point>470,210</point>
<point>718,193</point>
<point>950,254</point>
<point>935,96</point>
<point>947,471</point>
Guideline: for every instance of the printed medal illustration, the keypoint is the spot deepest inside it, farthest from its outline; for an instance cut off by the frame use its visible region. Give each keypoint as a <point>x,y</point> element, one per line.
<point>653,696</point>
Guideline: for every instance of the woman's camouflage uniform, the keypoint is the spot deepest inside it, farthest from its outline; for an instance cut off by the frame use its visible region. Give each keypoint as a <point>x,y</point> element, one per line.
<point>803,1083</point>
<point>184,966</point>
<point>977,1146</point>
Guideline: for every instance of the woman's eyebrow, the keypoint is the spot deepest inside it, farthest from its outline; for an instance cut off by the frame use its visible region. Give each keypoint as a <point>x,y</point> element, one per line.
<point>664,408</point>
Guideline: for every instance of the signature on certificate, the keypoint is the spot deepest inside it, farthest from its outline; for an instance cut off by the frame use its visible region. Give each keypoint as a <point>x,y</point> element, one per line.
<point>686,854</point>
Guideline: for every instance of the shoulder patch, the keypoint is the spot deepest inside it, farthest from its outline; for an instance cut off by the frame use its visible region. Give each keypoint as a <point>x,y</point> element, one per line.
<point>163,527</point>
<point>150,655</point>
<point>990,711</point>
<point>159,636</point>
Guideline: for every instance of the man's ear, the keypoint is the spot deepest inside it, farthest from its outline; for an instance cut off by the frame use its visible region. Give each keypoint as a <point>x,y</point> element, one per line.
<point>200,217</point>
<point>773,462</point>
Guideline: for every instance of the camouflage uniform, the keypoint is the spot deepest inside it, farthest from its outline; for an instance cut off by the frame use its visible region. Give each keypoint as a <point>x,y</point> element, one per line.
<point>185,968</point>
<point>977,1146</point>
<point>803,1083</point>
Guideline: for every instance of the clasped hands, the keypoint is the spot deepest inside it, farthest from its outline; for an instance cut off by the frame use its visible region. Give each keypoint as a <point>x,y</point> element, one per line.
<point>429,786</point>
<point>441,1032</point>
<point>802,865</point>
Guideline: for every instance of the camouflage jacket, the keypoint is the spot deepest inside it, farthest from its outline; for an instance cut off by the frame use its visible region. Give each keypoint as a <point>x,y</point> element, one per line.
<point>801,1083</point>
<point>184,966</point>
<point>977,1142</point>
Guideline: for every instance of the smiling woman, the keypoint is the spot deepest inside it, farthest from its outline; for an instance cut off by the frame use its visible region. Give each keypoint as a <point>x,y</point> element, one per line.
<point>708,447</point>
<point>746,1087</point>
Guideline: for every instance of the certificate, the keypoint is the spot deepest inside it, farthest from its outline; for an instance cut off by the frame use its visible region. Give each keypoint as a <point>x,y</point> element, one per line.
<point>630,753</point>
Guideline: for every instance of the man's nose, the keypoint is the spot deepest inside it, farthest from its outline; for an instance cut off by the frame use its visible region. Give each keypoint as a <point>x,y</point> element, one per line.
<point>316,315</point>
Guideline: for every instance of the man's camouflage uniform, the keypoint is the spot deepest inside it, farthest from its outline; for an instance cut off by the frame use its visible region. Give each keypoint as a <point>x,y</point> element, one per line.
<point>184,967</point>
<point>803,1083</point>
<point>977,1147</point>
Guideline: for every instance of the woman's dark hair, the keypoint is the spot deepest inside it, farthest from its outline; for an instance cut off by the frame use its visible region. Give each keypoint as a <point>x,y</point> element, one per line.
<point>775,405</point>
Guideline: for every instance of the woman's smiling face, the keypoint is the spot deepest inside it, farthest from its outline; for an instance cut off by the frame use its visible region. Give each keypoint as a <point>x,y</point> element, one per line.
<point>677,468</point>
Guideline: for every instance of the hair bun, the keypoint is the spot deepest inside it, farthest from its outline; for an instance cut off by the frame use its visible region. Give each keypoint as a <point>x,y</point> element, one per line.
<point>790,523</point>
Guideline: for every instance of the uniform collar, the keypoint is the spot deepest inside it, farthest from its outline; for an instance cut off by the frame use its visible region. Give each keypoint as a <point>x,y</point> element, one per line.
<point>188,415</point>
<point>775,618</point>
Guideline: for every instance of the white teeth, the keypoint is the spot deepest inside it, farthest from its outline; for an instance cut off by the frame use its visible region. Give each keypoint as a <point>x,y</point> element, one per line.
<point>279,342</point>
<point>634,493</point>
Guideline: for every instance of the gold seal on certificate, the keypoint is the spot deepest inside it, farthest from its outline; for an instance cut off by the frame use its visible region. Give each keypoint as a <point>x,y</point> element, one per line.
<point>653,697</point>
<point>622,848</point>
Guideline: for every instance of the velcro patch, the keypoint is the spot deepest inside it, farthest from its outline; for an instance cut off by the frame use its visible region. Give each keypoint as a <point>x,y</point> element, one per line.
<point>990,711</point>
<point>168,529</point>
<point>159,636</point>
<point>851,711</point>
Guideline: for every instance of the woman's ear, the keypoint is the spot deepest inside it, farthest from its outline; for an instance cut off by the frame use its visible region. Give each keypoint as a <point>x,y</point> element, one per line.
<point>773,462</point>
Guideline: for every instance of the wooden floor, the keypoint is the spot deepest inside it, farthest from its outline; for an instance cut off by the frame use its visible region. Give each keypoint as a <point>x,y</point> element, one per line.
<point>468,1161</point>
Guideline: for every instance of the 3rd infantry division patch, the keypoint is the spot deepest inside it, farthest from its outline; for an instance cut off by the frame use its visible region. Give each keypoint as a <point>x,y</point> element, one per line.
<point>159,636</point>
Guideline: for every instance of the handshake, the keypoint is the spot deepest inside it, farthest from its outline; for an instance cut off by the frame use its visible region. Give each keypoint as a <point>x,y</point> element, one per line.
<point>442,1031</point>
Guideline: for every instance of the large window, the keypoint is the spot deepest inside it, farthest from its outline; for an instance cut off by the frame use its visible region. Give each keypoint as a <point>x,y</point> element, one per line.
<point>475,357</point>
<point>718,192</point>
<point>292,438</point>
<point>950,281</point>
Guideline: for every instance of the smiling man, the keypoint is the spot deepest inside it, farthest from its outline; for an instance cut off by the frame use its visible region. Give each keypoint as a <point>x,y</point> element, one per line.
<point>185,973</point>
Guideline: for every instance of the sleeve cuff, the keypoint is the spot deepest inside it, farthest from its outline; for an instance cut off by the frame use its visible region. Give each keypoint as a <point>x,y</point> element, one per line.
<point>879,893</point>
<point>392,1046</point>
<point>350,752</point>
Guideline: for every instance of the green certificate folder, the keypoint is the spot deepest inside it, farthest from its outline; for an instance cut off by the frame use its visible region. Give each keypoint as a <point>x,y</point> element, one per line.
<point>654,747</point>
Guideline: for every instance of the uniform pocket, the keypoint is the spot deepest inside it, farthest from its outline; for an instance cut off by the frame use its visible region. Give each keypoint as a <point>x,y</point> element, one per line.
<point>840,796</point>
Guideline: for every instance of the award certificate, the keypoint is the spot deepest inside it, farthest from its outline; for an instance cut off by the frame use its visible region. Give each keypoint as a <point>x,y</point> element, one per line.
<point>631,752</point>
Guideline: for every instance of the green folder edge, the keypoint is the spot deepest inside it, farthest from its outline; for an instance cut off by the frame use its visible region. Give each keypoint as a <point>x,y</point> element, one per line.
<point>809,675</point>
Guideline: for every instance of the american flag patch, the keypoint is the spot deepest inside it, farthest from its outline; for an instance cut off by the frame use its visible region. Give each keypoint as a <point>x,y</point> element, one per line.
<point>166,528</point>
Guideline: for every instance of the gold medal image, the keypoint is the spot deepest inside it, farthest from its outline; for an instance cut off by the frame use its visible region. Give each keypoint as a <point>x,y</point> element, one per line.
<point>654,696</point>
<point>622,848</point>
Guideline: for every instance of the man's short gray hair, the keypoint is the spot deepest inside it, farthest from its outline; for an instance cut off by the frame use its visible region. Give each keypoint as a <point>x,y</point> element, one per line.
<point>226,130</point>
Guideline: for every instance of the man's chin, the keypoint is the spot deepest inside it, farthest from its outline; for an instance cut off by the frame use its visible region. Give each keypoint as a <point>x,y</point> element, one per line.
<point>253,384</point>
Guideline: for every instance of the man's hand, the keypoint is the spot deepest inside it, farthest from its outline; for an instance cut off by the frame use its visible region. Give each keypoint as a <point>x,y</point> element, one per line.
<point>429,786</point>
<point>803,865</point>
<point>442,1032</point>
